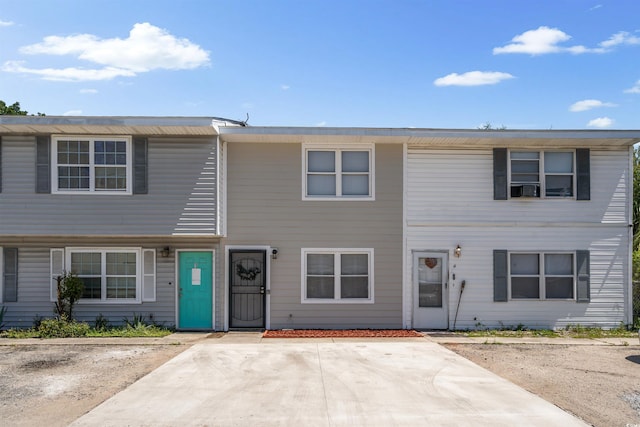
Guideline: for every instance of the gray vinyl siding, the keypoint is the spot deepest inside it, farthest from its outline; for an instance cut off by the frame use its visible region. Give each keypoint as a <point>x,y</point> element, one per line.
<point>265,207</point>
<point>450,202</point>
<point>181,200</point>
<point>34,284</point>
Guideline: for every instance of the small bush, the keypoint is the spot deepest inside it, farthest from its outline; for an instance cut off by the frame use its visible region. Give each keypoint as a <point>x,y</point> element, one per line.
<point>59,328</point>
<point>37,320</point>
<point>101,323</point>
<point>3,310</point>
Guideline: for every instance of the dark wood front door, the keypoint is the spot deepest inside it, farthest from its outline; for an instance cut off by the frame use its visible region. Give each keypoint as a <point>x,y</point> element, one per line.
<point>247,282</point>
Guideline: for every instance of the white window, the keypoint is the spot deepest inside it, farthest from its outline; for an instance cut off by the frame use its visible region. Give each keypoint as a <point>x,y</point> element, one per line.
<point>91,165</point>
<point>542,275</point>
<point>338,173</point>
<point>337,275</point>
<point>542,173</point>
<point>112,274</point>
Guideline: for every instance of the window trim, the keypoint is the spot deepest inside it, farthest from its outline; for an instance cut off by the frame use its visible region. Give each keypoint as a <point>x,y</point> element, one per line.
<point>542,275</point>
<point>543,175</point>
<point>103,290</point>
<point>336,252</point>
<point>92,166</point>
<point>338,149</point>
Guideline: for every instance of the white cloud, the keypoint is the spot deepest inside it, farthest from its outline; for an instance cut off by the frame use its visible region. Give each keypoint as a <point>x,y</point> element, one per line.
<point>598,6</point>
<point>619,38</point>
<point>285,87</point>
<point>89,91</point>
<point>70,74</point>
<point>588,104</point>
<point>536,42</point>
<point>600,122</point>
<point>321,124</point>
<point>634,89</point>
<point>147,48</point>
<point>6,23</point>
<point>472,78</point>
<point>546,40</point>
<point>73,113</point>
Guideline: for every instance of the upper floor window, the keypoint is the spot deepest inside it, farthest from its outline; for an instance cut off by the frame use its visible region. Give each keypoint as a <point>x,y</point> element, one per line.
<point>338,173</point>
<point>547,173</point>
<point>91,165</point>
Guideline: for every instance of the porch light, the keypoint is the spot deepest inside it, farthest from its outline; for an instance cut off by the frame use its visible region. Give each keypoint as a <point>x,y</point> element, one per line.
<point>457,251</point>
<point>165,252</point>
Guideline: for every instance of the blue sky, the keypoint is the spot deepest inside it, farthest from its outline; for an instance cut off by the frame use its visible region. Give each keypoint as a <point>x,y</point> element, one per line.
<point>540,64</point>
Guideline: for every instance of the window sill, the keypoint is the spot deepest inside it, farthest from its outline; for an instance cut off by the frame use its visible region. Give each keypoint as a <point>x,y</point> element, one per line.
<point>339,199</point>
<point>338,301</point>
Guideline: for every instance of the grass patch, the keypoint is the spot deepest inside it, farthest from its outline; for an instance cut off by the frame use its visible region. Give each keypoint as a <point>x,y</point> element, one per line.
<point>571,331</point>
<point>58,329</point>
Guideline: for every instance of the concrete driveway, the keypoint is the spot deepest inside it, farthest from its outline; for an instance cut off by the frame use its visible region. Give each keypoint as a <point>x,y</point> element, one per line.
<point>243,380</point>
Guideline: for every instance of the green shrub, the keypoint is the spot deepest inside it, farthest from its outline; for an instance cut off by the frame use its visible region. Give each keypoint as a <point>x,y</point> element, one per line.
<point>101,323</point>
<point>3,310</point>
<point>60,328</point>
<point>70,289</point>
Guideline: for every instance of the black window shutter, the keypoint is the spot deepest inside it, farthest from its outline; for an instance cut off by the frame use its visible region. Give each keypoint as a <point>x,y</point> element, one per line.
<point>583,172</point>
<point>583,286</point>
<point>500,278</point>
<point>140,166</point>
<point>500,174</point>
<point>10,275</point>
<point>43,164</point>
<point>0,164</point>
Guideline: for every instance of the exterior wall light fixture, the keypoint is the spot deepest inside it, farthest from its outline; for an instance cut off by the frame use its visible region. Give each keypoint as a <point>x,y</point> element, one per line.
<point>457,251</point>
<point>165,252</point>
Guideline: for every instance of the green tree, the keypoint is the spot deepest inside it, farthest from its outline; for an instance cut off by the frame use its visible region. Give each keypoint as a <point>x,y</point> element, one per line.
<point>70,289</point>
<point>14,110</point>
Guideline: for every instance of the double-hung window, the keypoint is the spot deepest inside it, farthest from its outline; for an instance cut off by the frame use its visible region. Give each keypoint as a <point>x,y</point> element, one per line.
<point>542,275</point>
<point>338,173</point>
<point>542,173</point>
<point>337,276</point>
<point>107,274</point>
<point>91,165</point>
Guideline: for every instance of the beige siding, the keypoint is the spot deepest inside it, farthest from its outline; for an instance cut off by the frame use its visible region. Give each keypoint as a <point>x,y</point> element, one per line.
<point>182,195</point>
<point>265,207</point>
<point>450,202</point>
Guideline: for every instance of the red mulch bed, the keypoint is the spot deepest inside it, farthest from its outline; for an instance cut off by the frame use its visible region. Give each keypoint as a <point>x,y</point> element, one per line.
<point>343,333</point>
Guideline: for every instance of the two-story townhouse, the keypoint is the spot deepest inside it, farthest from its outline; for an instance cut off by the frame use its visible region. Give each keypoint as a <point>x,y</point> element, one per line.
<point>129,204</point>
<point>426,229</point>
<point>313,221</point>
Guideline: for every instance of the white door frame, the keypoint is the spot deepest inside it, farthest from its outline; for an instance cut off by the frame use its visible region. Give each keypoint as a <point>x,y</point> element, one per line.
<point>415,255</point>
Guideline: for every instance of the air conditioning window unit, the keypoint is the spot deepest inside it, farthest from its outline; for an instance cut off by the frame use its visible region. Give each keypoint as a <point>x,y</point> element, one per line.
<point>525,190</point>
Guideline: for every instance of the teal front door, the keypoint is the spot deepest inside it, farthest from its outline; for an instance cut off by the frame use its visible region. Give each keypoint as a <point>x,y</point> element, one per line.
<point>195,290</point>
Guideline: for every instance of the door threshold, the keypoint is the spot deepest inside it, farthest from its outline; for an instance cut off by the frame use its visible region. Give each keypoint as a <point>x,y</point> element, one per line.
<point>246,329</point>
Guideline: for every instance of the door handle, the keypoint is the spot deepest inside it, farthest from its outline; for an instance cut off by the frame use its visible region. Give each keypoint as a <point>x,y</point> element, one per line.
<point>262,289</point>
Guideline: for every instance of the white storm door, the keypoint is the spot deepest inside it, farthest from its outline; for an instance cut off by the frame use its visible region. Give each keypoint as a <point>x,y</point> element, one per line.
<point>430,290</point>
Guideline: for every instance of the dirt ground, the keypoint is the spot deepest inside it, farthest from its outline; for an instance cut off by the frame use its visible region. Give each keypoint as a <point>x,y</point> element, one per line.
<point>599,384</point>
<point>53,385</point>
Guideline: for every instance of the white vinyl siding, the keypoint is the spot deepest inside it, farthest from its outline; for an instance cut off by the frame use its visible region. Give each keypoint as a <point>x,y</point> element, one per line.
<point>474,220</point>
<point>344,173</point>
<point>337,275</point>
<point>95,165</point>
